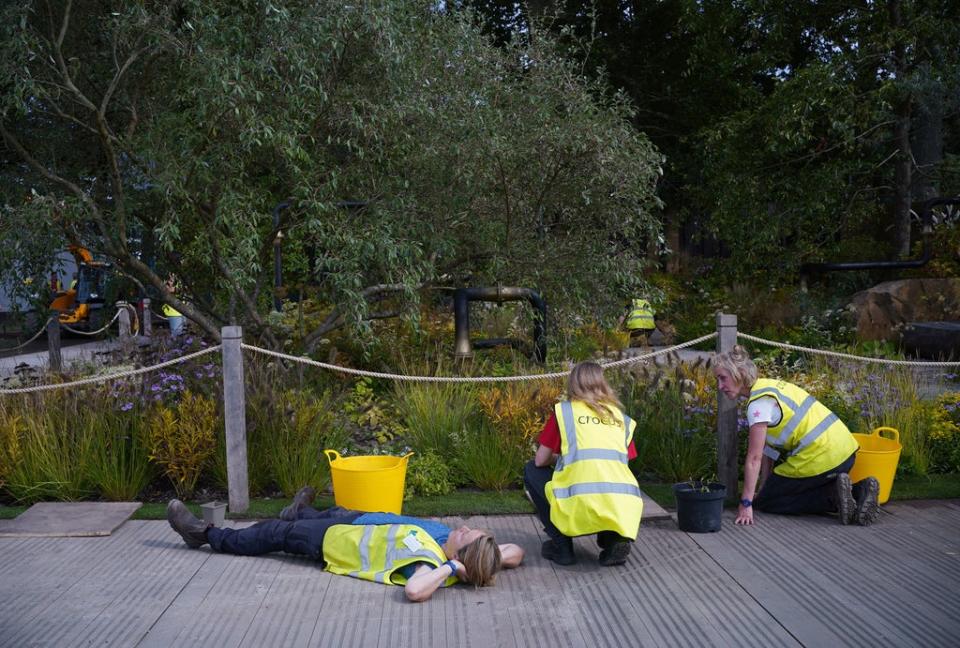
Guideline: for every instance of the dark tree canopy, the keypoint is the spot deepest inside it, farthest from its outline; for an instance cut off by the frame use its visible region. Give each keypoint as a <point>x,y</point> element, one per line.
<point>162,135</point>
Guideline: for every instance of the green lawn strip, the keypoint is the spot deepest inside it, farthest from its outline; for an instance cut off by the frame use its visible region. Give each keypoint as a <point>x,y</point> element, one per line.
<point>466,503</point>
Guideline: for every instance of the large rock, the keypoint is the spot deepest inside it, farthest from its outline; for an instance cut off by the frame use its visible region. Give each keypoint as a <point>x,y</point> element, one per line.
<point>882,312</point>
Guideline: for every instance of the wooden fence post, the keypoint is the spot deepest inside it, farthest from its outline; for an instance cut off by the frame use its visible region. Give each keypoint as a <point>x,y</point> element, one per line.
<point>234,415</point>
<point>146,327</point>
<point>53,342</point>
<point>124,316</point>
<point>727,468</point>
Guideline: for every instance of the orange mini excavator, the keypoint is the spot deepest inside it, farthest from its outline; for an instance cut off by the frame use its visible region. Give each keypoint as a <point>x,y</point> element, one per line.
<point>86,293</point>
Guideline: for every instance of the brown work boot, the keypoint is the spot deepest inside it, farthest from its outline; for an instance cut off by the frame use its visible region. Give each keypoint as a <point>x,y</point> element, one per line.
<point>192,530</point>
<point>301,500</point>
<point>846,505</point>
<point>868,505</point>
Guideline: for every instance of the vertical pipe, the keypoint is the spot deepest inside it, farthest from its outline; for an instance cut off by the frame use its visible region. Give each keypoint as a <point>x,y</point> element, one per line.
<point>461,320</point>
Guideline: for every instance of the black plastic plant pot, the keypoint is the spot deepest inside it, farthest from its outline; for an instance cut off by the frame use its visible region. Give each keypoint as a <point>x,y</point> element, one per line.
<point>699,506</point>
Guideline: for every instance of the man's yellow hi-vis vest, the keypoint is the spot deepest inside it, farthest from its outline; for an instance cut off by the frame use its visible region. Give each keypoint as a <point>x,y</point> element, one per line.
<point>592,488</point>
<point>814,439</point>
<point>170,311</point>
<point>376,552</point>
<point>640,317</point>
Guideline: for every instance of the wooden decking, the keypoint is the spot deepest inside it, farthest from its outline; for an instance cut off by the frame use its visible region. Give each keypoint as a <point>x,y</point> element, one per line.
<point>784,582</point>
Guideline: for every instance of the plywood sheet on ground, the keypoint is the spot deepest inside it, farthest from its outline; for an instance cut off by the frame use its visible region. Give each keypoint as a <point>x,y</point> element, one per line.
<point>59,519</point>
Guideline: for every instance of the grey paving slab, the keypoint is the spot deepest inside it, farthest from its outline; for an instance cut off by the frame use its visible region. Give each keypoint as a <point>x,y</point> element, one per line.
<point>54,519</point>
<point>784,582</point>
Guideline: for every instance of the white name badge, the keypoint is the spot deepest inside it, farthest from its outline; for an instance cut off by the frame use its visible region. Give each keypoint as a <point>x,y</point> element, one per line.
<point>412,543</point>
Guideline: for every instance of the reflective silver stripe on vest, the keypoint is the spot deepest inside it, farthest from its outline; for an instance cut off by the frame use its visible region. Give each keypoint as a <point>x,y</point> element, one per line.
<point>774,390</point>
<point>396,554</point>
<point>812,435</point>
<point>596,488</point>
<point>364,548</point>
<point>770,452</point>
<point>798,416</point>
<point>566,411</point>
<point>573,454</point>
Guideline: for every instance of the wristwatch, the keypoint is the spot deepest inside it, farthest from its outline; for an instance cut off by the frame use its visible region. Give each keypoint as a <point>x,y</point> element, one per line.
<point>746,503</point>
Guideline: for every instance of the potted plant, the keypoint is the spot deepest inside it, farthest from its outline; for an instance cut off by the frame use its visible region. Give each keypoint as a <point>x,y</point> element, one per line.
<point>699,505</point>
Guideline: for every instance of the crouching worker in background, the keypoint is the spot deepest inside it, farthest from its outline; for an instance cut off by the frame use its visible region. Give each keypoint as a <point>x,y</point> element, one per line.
<point>590,489</point>
<point>421,555</point>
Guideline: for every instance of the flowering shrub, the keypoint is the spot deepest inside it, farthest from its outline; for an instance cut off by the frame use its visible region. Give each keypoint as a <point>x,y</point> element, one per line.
<point>182,438</point>
<point>945,434</point>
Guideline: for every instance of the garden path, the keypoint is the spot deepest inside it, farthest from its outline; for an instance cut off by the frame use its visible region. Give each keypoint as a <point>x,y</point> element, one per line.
<point>784,582</point>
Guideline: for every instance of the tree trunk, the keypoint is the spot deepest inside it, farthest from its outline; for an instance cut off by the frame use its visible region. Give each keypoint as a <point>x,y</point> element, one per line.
<point>903,164</point>
<point>901,139</point>
<point>927,143</point>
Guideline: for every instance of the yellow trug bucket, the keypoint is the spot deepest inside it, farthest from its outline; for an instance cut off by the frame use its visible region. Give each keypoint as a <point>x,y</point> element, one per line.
<point>877,457</point>
<point>371,483</point>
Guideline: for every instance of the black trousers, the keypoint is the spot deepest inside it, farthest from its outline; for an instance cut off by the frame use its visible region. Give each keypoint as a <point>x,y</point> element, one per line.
<point>535,479</point>
<point>303,537</point>
<point>802,495</point>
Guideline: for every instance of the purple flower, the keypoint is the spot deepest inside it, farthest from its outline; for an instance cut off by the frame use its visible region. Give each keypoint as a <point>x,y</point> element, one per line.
<point>126,407</point>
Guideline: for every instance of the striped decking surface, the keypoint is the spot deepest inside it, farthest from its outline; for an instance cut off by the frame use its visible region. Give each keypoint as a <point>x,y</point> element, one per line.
<point>784,582</point>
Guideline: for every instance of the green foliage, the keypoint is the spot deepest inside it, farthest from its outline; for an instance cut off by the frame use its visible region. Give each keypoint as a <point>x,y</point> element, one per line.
<point>182,439</point>
<point>676,423</point>
<point>301,431</point>
<point>50,448</point>
<point>433,413</point>
<point>373,416</point>
<point>488,460</point>
<point>119,465</point>
<point>945,434</point>
<point>428,474</point>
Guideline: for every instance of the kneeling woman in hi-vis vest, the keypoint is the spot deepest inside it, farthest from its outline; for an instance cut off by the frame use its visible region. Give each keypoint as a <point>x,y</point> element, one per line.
<point>590,489</point>
<point>421,555</point>
<point>812,449</point>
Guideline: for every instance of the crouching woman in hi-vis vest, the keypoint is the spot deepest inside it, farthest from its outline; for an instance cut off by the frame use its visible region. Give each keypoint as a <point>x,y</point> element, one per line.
<point>809,449</point>
<point>590,489</point>
<point>421,555</point>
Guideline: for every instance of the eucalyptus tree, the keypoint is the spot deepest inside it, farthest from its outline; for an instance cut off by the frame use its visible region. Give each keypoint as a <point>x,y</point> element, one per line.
<point>173,130</point>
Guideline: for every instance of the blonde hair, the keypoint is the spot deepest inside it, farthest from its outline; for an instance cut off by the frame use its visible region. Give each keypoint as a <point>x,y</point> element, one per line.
<point>481,559</point>
<point>739,364</point>
<point>588,385</point>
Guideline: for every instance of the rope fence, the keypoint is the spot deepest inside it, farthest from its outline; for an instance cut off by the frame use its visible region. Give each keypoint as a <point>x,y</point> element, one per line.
<point>35,336</point>
<point>467,379</point>
<point>846,356</point>
<point>116,316</point>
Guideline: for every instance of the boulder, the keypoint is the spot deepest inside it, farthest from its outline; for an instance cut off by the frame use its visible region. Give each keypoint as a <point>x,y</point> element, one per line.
<point>881,312</point>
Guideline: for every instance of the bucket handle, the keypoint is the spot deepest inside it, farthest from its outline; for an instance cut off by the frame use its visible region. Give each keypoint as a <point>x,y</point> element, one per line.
<point>895,431</point>
<point>335,455</point>
<point>407,456</point>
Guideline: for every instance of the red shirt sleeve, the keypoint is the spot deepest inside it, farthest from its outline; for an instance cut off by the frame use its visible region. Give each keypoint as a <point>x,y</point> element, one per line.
<point>550,437</point>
